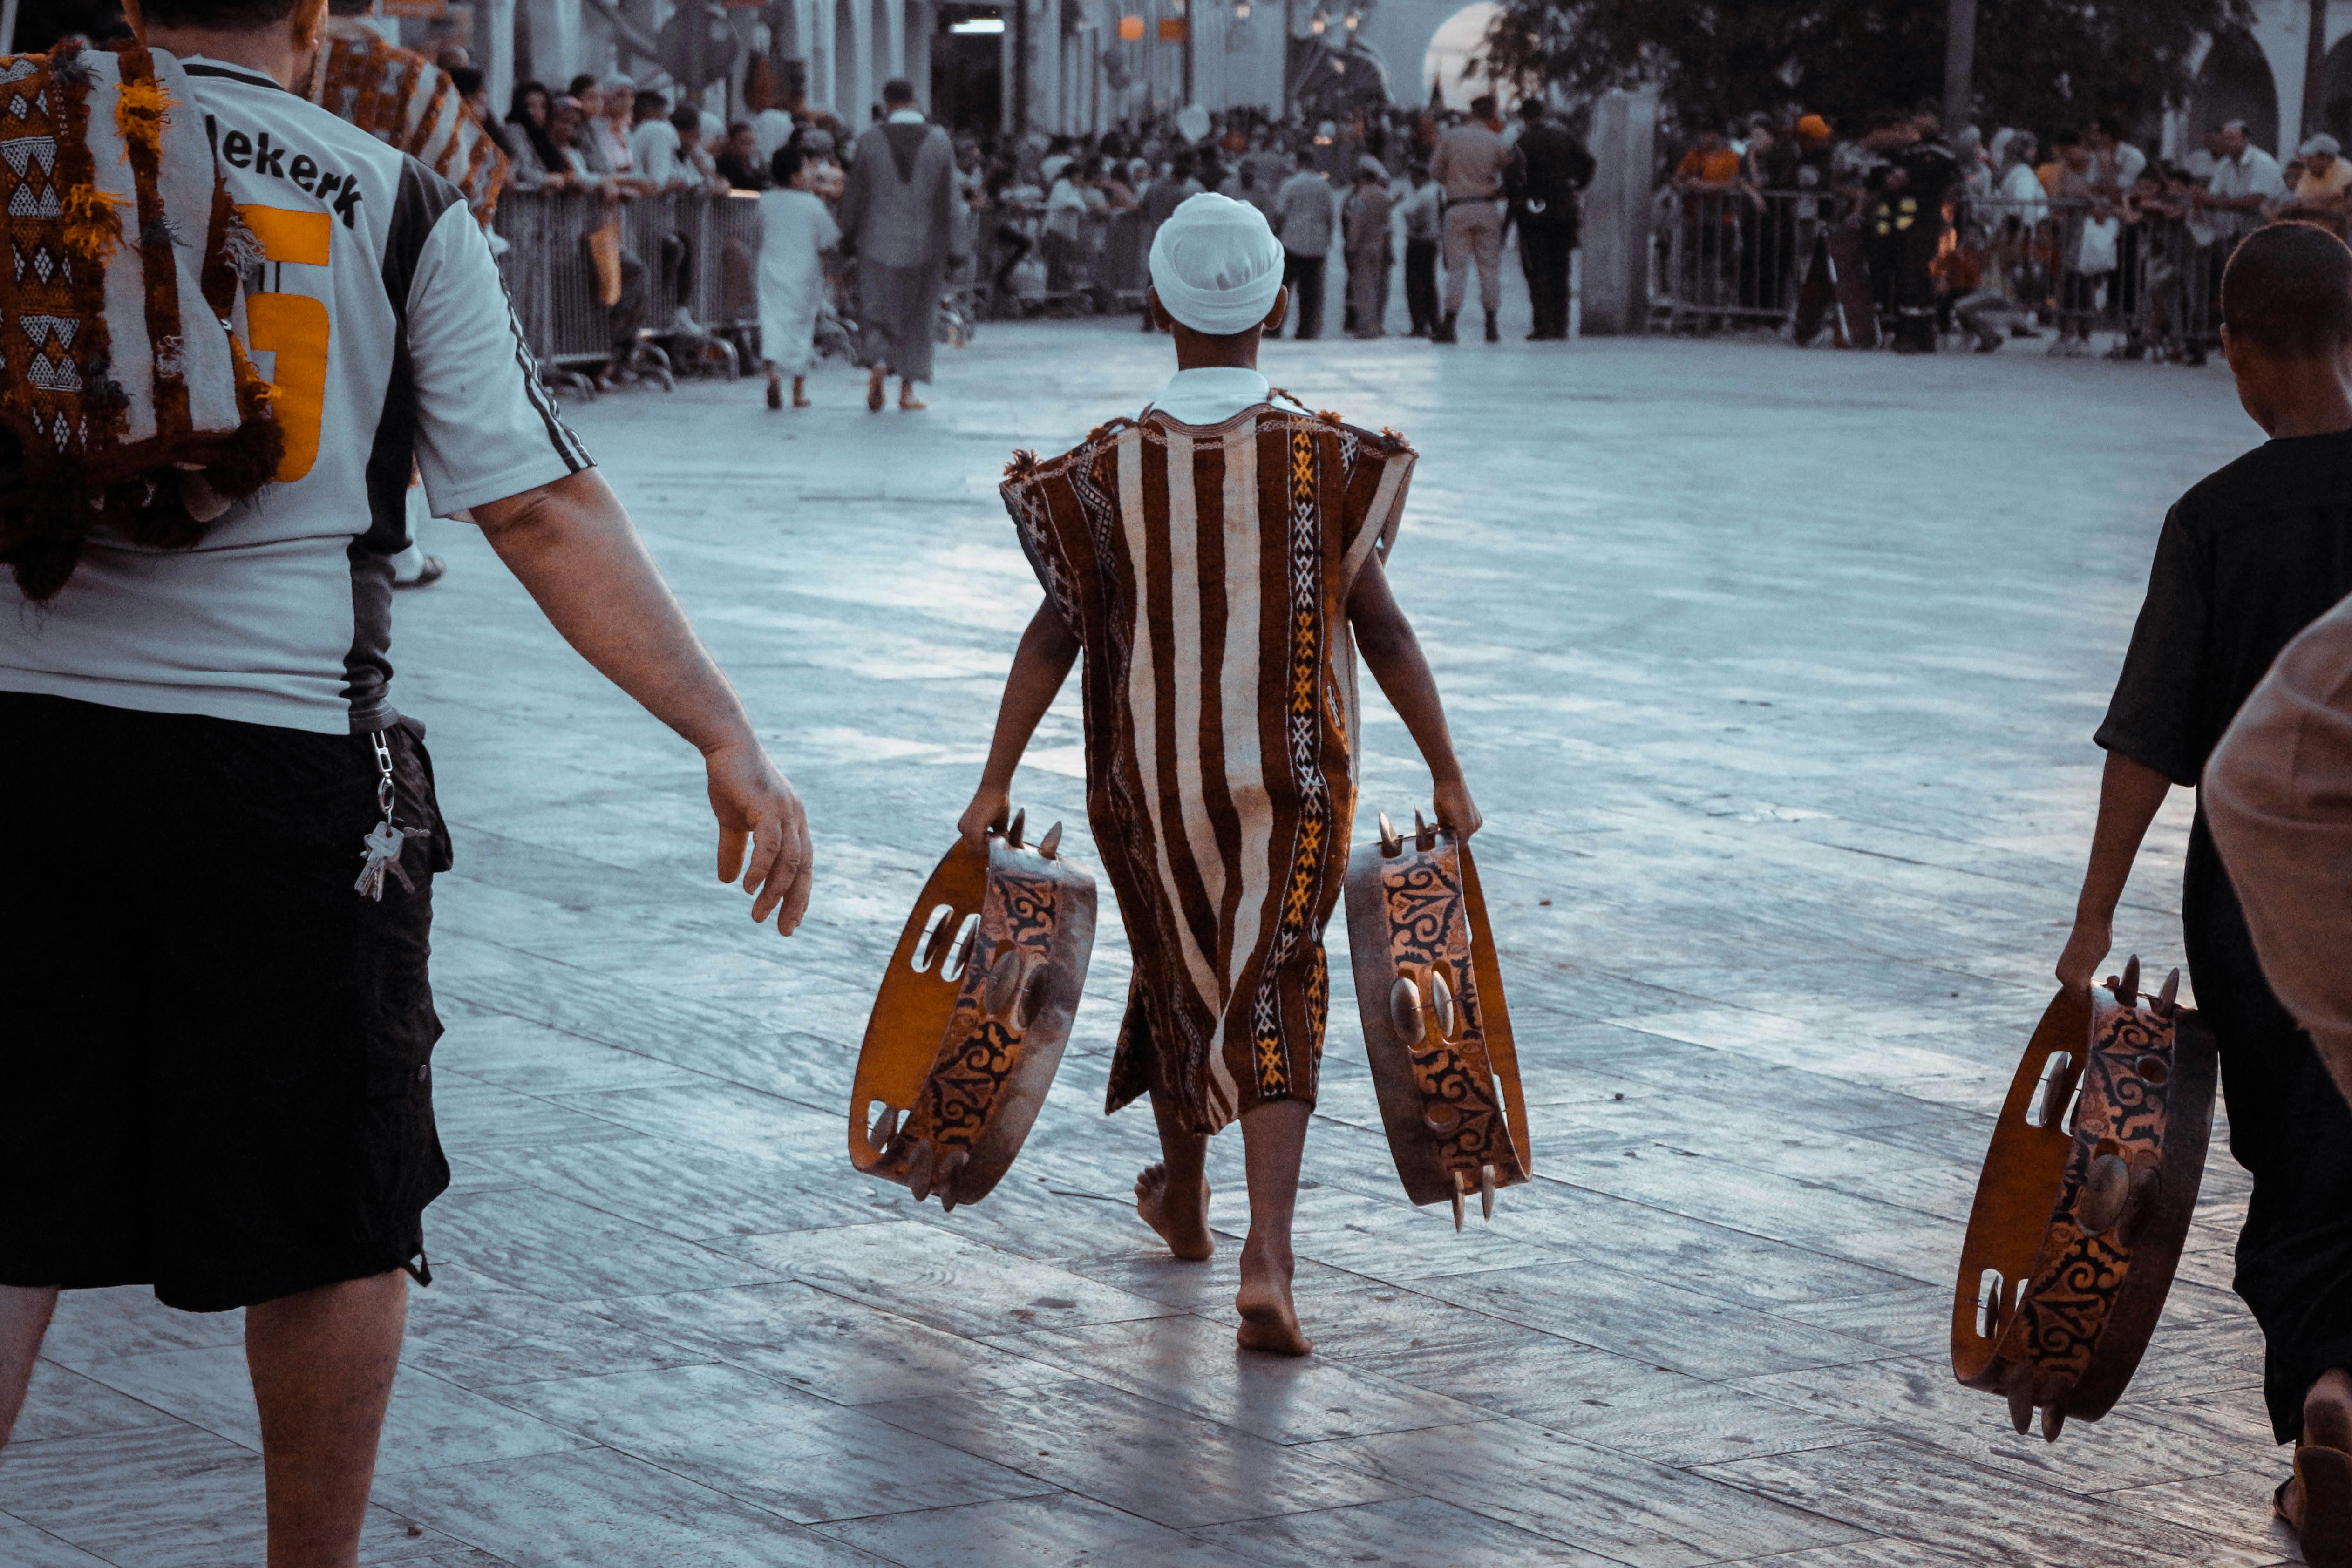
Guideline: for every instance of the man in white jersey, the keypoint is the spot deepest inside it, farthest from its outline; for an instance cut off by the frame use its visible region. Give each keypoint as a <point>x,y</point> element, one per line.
<point>214,1069</point>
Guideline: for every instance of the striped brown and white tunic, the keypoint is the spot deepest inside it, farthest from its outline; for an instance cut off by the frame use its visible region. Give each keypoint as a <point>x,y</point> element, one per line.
<point>1205,573</point>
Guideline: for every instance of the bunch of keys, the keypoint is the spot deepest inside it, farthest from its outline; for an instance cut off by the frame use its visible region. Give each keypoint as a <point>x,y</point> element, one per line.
<point>382,847</point>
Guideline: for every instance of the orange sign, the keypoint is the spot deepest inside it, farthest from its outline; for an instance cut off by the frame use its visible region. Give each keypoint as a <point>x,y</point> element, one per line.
<point>1172,29</point>
<point>1131,29</point>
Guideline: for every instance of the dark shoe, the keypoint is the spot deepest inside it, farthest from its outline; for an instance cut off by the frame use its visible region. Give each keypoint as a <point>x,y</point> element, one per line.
<point>1443,333</point>
<point>436,569</point>
<point>873,390</point>
<point>1494,333</point>
<point>775,395</point>
<point>1989,343</point>
<point>2193,358</point>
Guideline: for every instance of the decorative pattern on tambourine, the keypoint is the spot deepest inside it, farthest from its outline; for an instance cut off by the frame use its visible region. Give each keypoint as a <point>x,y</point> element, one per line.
<point>2115,1184</point>
<point>1436,1033</point>
<point>971,1020</point>
<point>984,1033</point>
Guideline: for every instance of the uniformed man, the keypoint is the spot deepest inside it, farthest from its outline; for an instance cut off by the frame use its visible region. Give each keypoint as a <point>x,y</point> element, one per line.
<point>1923,174</point>
<point>1549,172</point>
<point>214,1070</point>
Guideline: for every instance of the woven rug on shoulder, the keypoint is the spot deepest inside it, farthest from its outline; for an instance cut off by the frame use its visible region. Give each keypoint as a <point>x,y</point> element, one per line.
<point>123,383</point>
<point>400,97</point>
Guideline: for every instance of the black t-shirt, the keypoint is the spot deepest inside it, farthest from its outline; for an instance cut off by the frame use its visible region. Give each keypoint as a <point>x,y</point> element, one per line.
<point>2248,558</point>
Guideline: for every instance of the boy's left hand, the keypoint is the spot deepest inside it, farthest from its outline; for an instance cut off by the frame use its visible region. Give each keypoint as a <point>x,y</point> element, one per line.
<point>1457,812</point>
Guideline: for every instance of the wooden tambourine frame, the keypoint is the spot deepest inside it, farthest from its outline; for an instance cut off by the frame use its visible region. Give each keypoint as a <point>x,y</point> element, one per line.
<point>1438,1032</point>
<point>968,1029</point>
<point>2079,1219</point>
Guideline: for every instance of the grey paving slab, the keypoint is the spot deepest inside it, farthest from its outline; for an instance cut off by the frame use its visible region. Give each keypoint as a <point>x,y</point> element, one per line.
<point>600,1506</point>
<point>126,1320</point>
<point>1193,1365</point>
<point>569,1251</point>
<point>1056,1530</point>
<point>1406,1533</point>
<point>473,1332</point>
<point>1652,1515</point>
<point>1611,1401</point>
<point>22,1546</point>
<point>843,1351</point>
<point>431,1421</point>
<point>1138,1455</point>
<point>1923,1494</point>
<point>924,1272</point>
<point>1648,1318</point>
<point>62,1403</point>
<point>757,1440</point>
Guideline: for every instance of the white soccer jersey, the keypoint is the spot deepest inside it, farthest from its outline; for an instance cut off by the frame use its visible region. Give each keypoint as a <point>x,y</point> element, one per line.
<point>381,319</point>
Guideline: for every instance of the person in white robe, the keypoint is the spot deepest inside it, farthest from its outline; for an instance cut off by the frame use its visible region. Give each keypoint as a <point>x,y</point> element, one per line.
<point>795,232</point>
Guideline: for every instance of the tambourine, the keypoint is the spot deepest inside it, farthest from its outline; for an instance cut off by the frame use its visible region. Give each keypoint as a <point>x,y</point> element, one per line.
<point>1436,1029</point>
<point>2084,1202</point>
<point>968,1026</point>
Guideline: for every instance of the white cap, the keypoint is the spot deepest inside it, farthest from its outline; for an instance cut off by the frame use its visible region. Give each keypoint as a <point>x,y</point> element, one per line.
<point>1216,266</point>
<point>2322,143</point>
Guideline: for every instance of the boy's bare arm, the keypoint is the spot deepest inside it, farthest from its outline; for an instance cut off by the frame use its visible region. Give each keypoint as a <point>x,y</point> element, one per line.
<point>1039,667</point>
<point>1393,655</point>
<point>2130,793</point>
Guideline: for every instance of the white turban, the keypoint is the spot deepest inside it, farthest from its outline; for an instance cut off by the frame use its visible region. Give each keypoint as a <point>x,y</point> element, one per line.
<point>1216,265</point>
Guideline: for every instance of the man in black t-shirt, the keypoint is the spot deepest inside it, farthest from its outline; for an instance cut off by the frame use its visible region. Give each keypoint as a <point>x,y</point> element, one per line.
<point>2247,559</point>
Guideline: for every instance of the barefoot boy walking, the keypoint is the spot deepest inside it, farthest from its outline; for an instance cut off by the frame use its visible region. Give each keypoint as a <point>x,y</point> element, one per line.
<point>1219,563</point>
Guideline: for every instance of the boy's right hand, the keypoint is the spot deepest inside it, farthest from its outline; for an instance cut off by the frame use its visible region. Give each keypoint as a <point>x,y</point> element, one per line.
<point>991,808</point>
<point>1457,812</point>
<point>2086,948</point>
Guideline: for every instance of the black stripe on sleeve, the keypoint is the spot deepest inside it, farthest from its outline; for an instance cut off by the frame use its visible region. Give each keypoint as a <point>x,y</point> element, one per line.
<point>567,446</point>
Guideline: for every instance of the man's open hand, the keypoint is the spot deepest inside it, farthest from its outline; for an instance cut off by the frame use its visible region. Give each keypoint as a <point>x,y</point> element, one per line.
<point>756,806</point>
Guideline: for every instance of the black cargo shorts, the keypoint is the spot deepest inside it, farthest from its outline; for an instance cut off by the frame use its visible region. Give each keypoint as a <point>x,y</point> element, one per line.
<point>215,1055</point>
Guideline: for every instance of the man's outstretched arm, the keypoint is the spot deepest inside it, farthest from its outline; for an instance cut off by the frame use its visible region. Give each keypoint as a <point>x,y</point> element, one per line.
<point>572,546</point>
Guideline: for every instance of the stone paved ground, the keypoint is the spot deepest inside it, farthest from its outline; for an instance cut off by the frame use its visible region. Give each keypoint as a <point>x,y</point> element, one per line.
<point>1774,673</point>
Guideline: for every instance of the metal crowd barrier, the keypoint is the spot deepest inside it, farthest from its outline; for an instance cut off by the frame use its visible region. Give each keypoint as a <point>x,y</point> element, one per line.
<point>1025,263</point>
<point>1741,257</point>
<point>700,252</point>
<point>684,248</point>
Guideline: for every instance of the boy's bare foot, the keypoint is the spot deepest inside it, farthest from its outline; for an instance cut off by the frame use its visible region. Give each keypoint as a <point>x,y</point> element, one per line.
<point>1183,1226</point>
<point>1269,1321</point>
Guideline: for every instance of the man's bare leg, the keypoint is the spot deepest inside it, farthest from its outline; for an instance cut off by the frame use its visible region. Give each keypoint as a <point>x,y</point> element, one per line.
<point>1173,1197</point>
<point>323,1364</point>
<point>24,1319</point>
<point>1273,1139</point>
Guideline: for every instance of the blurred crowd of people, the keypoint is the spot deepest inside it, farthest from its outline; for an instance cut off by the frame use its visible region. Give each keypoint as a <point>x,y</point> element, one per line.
<point>1054,222</point>
<point>2014,235</point>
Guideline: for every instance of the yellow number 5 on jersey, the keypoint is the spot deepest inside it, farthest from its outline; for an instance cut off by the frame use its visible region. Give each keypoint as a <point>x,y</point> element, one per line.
<point>293,327</point>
